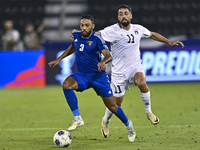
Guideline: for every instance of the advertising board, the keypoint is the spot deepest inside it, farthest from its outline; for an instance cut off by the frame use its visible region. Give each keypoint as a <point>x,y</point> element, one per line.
<point>171,64</point>
<point>22,69</point>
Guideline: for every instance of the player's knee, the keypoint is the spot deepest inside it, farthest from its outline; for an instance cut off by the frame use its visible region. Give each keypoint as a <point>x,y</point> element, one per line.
<point>113,108</point>
<point>142,84</point>
<point>70,83</point>
<point>65,85</point>
<point>119,103</point>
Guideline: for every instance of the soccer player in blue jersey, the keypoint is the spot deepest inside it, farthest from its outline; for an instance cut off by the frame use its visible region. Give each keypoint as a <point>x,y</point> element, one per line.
<point>88,46</point>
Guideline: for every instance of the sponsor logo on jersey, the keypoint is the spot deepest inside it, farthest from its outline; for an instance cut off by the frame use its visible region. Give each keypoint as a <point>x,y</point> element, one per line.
<point>136,32</point>
<point>75,40</point>
<point>90,43</point>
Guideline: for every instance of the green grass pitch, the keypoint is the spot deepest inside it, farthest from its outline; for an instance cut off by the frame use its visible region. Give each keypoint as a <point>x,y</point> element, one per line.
<point>30,117</point>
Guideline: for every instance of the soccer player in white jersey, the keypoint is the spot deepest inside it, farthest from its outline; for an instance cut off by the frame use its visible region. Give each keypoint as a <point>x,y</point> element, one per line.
<point>126,64</point>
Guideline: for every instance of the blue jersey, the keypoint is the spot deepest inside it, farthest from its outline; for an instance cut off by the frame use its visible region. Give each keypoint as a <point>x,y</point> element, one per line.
<point>88,52</point>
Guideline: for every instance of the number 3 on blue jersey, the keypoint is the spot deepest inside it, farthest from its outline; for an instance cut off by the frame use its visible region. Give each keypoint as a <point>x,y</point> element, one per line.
<point>81,47</point>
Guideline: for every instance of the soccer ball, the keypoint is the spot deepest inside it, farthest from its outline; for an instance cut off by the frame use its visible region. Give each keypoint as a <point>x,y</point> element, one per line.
<point>62,138</point>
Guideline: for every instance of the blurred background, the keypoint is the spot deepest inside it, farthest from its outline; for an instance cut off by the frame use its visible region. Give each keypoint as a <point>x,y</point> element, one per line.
<point>36,32</point>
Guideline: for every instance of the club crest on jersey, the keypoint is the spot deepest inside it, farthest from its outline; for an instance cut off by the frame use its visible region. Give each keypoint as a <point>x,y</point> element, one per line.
<point>90,43</point>
<point>136,32</point>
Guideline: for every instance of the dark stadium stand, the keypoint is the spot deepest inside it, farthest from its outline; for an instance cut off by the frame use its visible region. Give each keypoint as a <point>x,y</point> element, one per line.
<point>73,11</point>
<point>170,18</point>
<point>21,12</point>
<point>180,17</point>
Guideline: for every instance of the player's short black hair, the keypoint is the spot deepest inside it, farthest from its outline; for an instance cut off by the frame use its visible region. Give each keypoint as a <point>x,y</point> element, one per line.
<point>89,17</point>
<point>125,7</point>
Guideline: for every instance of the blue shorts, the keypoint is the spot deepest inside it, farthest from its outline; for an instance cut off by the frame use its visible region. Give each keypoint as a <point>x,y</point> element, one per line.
<point>99,82</point>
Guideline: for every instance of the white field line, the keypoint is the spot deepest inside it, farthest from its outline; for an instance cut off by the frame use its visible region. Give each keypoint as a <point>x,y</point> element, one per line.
<point>166,126</point>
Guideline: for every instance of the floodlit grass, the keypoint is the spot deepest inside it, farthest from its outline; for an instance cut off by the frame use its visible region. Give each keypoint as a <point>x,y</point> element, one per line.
<point>30,117</point>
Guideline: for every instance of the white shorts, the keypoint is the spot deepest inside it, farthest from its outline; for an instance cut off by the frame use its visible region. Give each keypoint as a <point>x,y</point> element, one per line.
<point>119,82</point>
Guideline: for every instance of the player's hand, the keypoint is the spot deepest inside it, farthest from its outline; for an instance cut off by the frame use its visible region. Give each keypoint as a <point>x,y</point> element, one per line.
<point>176,43</point>
<point>71,34</point>
<point>53,63</point>
<point>101,66</point>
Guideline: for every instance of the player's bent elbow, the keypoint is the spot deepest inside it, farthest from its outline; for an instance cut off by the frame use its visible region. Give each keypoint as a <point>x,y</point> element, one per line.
<point>110,59</point>
<point>153,35</point>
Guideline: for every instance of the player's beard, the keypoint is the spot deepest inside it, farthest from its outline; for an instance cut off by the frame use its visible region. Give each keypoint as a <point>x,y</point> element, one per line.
<point>125,24</point>
<point>87,33</point>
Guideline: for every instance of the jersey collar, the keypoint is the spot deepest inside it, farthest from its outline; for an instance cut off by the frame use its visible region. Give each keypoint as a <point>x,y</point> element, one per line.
<point>89,36</point>
<point>123,29</point>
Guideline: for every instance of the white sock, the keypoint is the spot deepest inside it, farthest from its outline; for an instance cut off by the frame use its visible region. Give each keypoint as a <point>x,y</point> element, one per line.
<point>107,116</point>
<point>78,118</point>
<point>147,101</point>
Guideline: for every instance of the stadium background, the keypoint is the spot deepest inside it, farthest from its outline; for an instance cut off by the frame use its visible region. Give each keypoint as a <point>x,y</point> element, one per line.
<point>31,116</point>
<point>176,20</point>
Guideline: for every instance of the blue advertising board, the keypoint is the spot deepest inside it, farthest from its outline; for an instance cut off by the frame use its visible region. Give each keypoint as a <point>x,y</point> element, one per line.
<point>171,64</point>
<point>166,64</point>
<point>22,69</point>
<point>29,68</point>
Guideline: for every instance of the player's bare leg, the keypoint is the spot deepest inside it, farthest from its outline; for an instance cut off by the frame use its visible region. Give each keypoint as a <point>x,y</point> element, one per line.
<point>140,81</point>
<point>112,106</point>
<point>119,100</point>
<point>69,85</point>
<point>108,114</point>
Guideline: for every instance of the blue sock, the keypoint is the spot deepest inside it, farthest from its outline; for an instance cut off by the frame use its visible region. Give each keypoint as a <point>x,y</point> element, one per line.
<point>121,115</point>
<point>72,101</point>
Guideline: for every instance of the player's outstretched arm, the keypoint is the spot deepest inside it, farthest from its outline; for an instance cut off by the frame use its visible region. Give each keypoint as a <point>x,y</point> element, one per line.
<point>69,51</point>
<point>157,37</point>
<point>107,58</point>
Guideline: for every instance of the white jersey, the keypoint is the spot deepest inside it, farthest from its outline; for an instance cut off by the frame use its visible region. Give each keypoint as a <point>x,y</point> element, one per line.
<point>124,45</point>
<point>13,35</point>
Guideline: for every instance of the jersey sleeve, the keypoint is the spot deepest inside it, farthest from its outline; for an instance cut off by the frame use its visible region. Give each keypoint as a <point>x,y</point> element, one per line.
<point>146,33</point>
<point>73,43</point>
<point>75,34</point>
<point>101,44</point>
<point>107,34</point>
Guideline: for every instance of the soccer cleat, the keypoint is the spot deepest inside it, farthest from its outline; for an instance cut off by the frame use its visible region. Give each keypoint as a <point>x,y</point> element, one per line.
<point>131,132</point>
<point>76,123</point>
<point>154,120</point>
<point>104,129</point>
